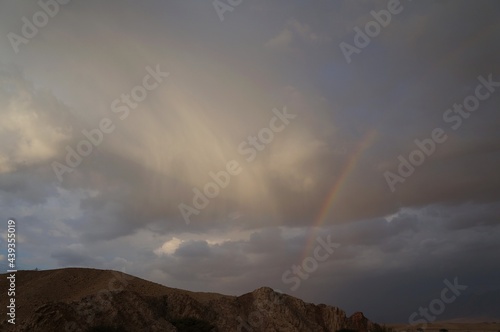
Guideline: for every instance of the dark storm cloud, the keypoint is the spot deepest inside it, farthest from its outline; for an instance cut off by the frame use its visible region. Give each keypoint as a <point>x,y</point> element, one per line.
<point>193,249</point>
<point>379,107</point>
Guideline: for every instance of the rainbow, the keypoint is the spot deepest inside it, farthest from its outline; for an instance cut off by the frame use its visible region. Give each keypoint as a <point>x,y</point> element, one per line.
<point>367,141</point>
<point>336,188</point>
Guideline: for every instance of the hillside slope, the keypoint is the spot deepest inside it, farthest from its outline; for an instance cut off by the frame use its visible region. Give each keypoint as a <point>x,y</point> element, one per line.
<point>77,299</point>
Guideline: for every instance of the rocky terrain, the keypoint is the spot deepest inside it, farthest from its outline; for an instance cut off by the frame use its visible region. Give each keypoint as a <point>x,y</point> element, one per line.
<point>76,299</point>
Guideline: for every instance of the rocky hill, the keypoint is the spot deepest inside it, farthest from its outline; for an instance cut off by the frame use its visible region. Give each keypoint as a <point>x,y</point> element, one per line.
<point>76,299</point>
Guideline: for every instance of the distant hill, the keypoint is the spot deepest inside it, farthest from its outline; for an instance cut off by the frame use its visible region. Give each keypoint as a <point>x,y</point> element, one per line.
<point>78,299</point>
<point>455,325</point>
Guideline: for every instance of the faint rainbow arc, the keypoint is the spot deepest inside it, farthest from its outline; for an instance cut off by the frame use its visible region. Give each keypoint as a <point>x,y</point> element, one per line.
<point>347,169</point>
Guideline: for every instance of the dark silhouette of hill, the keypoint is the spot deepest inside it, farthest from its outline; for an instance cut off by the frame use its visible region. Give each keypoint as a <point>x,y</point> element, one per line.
<point>80,299</point>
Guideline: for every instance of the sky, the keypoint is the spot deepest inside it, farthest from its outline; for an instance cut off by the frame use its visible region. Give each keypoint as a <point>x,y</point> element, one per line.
<point>343,152</point>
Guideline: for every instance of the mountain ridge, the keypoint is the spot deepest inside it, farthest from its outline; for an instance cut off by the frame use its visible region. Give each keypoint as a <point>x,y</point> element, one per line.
<point>83,299</point>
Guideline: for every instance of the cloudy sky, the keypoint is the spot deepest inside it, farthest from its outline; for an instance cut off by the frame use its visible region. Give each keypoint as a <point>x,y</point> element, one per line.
<point>215,146</point>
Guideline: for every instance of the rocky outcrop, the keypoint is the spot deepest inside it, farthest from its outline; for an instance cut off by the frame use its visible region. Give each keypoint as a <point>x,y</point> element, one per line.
<point>359,322</point>
<point>95,300</point>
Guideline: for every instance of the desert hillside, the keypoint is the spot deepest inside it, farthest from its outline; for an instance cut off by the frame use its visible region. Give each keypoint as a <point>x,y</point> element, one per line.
<point>77,299</point>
